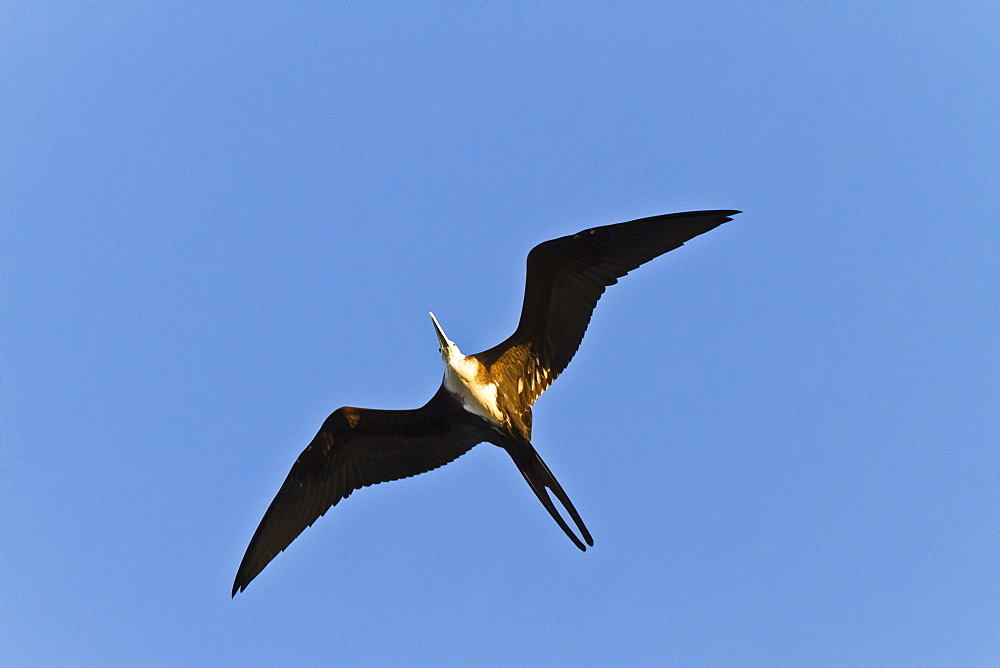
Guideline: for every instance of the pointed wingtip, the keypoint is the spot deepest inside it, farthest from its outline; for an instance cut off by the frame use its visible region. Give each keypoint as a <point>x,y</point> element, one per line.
<point>241,583</point>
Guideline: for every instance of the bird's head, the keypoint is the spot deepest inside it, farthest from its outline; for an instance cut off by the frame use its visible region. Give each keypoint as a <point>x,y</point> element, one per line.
<point>446,346</point>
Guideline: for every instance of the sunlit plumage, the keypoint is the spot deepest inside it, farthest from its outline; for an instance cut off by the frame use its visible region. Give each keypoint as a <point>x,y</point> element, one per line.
<point>485,397</point>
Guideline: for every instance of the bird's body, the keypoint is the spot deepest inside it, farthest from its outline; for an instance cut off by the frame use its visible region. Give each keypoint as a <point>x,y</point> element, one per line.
<point>485,397</point>
<point>469,381</point>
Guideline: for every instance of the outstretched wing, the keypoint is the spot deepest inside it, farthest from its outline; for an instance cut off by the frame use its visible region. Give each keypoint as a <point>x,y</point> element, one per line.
<point>565,278</point>
<point>355,448</point>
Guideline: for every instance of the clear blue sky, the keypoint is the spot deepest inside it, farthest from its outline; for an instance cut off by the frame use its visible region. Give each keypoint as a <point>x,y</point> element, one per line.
<point>222,221</point>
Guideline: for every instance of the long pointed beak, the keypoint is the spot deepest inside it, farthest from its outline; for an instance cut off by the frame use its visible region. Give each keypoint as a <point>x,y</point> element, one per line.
<point>442,339</point>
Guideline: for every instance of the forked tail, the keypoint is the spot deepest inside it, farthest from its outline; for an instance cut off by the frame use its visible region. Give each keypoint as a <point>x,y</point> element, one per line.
<point>539,478</point>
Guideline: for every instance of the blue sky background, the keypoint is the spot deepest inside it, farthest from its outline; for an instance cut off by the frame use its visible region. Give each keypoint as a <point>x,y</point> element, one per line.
<point>222,221</point>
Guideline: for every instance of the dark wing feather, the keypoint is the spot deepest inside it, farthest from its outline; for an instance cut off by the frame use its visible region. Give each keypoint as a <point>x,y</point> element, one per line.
<point>566,277</point>
<point>355,448</point>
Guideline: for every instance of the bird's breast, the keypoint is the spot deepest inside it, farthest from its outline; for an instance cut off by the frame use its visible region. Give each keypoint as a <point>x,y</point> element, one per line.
<point>477,396</point>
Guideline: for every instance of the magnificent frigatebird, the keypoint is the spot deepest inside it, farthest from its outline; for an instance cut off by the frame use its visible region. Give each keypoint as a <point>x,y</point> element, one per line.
<point>485,397</point>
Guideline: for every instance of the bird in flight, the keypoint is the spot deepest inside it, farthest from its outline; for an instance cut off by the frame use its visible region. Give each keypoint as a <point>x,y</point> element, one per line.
<point>485,397</point>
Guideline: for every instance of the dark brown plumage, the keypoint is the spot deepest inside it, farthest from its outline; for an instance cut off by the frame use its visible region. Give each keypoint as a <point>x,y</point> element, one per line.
<point>357,447</point>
